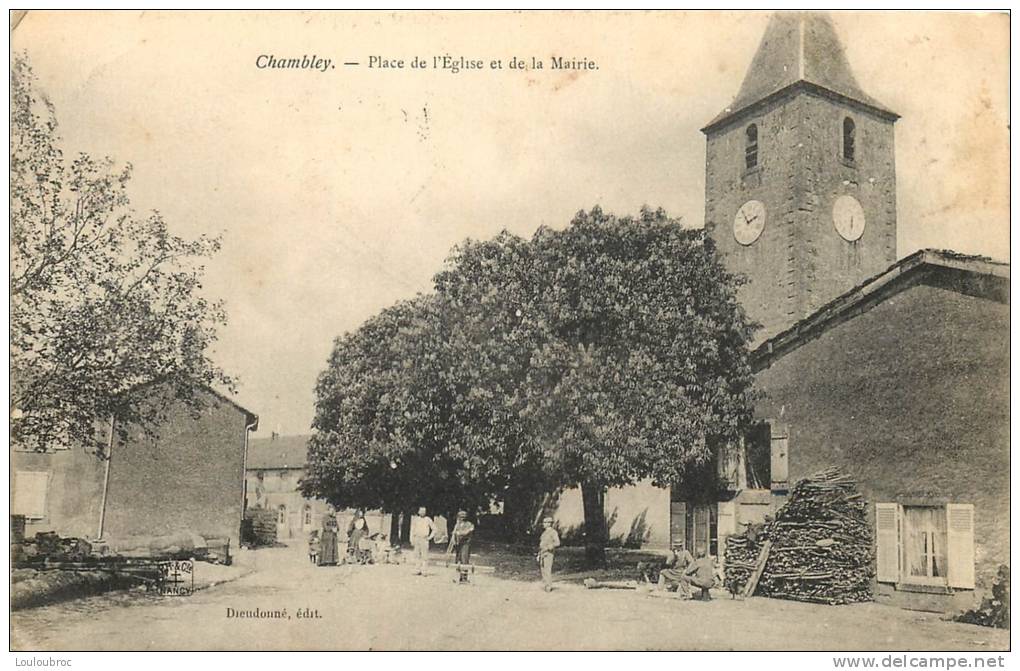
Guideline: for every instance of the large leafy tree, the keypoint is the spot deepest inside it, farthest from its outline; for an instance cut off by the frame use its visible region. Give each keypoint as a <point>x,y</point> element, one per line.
<point>103,301</point>
<point>385,432</point>
<point>599,355</point>
<point>616,346</point>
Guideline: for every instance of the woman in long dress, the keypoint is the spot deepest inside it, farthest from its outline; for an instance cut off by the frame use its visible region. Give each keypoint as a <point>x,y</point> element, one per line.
<point>327,551</point>
<point>359,514</point>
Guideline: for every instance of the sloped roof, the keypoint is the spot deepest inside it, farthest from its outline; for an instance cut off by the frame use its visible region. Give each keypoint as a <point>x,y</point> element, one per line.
<point>278,452</point>
<point>970,275</point>
<point>253,419</point>
<point>798,50</point>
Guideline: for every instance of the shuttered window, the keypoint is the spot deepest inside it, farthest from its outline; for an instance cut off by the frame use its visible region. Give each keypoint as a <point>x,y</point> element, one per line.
<point>925,545</point>
<point>766,456</point>
<point>30,494</point>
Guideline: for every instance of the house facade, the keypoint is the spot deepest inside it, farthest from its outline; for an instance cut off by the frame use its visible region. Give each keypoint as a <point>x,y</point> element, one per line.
<point>903,384</point>
<point>188,480</point>
<point>274,470</point>
<point>275,467</point>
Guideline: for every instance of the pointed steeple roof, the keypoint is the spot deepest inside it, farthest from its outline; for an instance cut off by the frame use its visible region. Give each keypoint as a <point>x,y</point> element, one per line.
<point>799,50</point>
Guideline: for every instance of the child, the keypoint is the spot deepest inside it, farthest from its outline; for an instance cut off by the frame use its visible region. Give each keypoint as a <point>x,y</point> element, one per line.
<point>313,547</point>
<point>381,551</point>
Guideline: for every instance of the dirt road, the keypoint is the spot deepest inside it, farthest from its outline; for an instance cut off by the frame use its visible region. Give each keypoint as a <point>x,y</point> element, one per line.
<point>389,608</point>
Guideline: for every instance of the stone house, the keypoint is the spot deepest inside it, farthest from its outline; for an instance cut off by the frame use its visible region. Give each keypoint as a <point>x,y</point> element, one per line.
<point>274,470</point>
<point>189,480</point>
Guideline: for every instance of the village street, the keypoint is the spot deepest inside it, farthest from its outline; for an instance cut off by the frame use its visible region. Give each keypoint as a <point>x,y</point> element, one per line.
<point>389,608</point>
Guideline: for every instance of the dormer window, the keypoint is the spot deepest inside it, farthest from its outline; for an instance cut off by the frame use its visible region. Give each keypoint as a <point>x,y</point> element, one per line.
<point>849,139</point>
<point>751,147</point>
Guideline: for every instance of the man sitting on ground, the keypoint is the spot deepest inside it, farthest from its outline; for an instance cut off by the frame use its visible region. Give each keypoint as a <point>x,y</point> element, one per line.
<point>701,574</point>
<point>672,575</point>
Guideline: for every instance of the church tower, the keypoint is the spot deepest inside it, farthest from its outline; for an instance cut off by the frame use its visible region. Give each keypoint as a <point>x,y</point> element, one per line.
<point>800,184</point>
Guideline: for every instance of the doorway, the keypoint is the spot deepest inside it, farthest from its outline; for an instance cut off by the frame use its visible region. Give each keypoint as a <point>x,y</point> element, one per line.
<point>282,529</point>
<point>694,526</point>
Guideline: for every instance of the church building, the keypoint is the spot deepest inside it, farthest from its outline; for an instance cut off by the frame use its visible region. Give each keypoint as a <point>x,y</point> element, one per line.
<point>896,371</point>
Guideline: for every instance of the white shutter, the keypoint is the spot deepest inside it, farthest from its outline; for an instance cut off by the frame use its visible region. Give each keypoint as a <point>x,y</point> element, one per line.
<point>887,541</point>
<point>726,525</point>
<point>960,544</point>
<point>726,521</point>
<point>30,494</point>
<point>780,434</point>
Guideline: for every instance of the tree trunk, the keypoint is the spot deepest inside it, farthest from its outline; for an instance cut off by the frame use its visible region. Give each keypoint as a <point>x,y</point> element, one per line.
<point>522,513</point>
<point>394,528</point>
<point>593,496</point>
<point>405,527</point>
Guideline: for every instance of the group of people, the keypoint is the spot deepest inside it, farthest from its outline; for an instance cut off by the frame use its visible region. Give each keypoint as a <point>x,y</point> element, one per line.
<point>424,531</point>
<point>682,571</point>
<point>326,547</point>
<point>357,546</point>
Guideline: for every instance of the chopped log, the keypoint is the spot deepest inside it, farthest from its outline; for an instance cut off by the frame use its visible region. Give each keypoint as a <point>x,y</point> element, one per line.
<point>592,583</point>
<point>466,568</point>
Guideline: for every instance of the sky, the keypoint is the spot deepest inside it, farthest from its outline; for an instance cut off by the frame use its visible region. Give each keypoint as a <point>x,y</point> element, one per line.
<point>338,193</point>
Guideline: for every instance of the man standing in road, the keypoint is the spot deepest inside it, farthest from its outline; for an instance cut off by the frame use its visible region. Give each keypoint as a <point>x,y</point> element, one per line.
<point>547,545</point>
<point>422,533</point>
<point>460,543</point>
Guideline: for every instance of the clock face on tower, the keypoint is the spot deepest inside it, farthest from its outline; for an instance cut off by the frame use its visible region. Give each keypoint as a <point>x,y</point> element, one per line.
<point>848,218</point>
<point>749,222</point>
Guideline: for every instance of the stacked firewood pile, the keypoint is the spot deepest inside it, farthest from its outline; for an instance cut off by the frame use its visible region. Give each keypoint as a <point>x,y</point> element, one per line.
<point>259,527</point>
<point>820,545</point>
<point>741,555</point>
<point>50,548</point>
